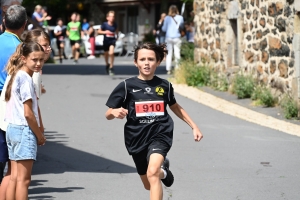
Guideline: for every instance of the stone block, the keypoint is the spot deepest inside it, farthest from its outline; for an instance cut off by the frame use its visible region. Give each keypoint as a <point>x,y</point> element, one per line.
<point>218,44</point>
<point>251,26</point>
<point>287,11</point>
<point>205,44</point>
<point>202,28</point>
<point>215,56</point>
<point>263,10</point>
<point>274,43</point>
<point>249,37</point>
<point>258,34</point>
<point>211,46</point>
<point>249,56</point>
<point>252,2</point>
<point>280,24</point>
<point>279,7</point>
<point>260,69</point>
<point>283,68</point>
<point>272,10</point>
<point>248,14</point>
<point>263,44</point>
<point>202,6</point>
<point>272,66</point>
<point>262,22</point>
<point>255,15</point>
<point>264,56</point>
<point>255,46</point>
<point>266,32</point>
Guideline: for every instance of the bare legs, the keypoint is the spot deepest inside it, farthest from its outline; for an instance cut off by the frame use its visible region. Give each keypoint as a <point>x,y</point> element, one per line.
<point>75,51</point>
<point>5,182</point>
<point>19,180</point>
<point>152,180</point>
<point>110,54</point>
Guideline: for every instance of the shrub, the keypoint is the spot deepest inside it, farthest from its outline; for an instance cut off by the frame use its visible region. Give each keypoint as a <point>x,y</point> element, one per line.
<point>219,81</point>
<point>198,76</point>
<point>187,51</point>
<point>290,107</point>
<point>243,86</point>
<point>263,96</point>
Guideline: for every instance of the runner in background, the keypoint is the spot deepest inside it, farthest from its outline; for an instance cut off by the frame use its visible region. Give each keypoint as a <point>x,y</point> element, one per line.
<point>92,39</point>
<point>110,31</point>
<point>74,33</point>
<point>60,34</point>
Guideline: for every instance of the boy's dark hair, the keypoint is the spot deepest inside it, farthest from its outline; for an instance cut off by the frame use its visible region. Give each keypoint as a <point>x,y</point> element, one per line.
<point>159,50</point>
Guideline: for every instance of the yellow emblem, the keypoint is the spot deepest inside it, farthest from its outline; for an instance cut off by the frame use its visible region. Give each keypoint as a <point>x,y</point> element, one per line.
<point>159,91</point>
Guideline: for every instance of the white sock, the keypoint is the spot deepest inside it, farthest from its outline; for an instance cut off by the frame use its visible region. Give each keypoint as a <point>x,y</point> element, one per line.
<point>165,173</point>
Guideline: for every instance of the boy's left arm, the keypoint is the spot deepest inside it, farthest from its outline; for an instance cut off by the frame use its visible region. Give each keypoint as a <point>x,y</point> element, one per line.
<point>182,114</point>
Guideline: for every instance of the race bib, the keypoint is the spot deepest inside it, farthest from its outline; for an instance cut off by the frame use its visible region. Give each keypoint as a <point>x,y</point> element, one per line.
<point>149,108</point>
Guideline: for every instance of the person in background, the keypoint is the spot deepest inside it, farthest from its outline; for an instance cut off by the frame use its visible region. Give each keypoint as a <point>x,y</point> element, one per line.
<point>171,26</point>
<point>60,34</point>
<point>45,22</point>
<point>110,31</point>
<point>4,6</point>
<point>190,31</point>
<point>38,17</point>
<point>91,34</point>
<point>25,130</point>
<point>85,26</point>
<point>74,33</point>
<point>15,21</point>
<point>160,33</point>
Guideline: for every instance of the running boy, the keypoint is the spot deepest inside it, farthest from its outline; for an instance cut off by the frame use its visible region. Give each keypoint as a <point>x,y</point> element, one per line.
<point>110,31</point>
<point>74,33</point>
<point>149,128</point>
<point>60,33</point>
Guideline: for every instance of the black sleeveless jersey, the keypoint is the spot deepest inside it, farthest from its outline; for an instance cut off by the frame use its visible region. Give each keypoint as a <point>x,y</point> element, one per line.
<point>147,119</point>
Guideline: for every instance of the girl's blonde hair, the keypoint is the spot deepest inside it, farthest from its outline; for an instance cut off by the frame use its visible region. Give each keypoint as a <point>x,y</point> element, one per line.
<point>15,62</point>
<point>173,11</point>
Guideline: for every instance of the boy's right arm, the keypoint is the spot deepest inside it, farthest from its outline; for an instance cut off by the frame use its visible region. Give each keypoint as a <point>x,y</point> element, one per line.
<point>119,113</point>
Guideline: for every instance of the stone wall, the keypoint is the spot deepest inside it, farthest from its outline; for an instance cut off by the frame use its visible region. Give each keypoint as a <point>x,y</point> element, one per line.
<point>252,35</point>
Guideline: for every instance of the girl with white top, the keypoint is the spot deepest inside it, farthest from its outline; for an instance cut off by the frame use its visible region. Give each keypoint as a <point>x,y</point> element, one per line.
<point>25,127</point>
<point>171,26</point>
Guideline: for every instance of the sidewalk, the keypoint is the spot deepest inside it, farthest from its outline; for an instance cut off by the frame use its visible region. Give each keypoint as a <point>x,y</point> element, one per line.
<point>221,101</point>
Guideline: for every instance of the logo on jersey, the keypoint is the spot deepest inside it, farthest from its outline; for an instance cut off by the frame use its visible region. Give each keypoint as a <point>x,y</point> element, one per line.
<point>133,90</point>
<point>148,90</point>
<point>159,91</point>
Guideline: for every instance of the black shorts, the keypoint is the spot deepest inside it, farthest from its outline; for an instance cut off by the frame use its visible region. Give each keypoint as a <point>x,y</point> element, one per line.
<point>73,42</point>
<point>2,167</point>
<point>58,42</point>
<point>141,159</point>
<point>108,43</point>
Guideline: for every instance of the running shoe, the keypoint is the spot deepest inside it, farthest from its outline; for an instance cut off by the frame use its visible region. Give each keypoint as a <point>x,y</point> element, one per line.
<point>111,72</point>
<point>169,180</point>
<point>107,68</point>
<point>91,57</point>
<point>75,62</point>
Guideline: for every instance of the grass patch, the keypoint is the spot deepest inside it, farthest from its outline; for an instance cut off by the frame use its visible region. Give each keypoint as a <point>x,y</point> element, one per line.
<point>243,86</point>
<point>290,107</point>
<point>262,96</point>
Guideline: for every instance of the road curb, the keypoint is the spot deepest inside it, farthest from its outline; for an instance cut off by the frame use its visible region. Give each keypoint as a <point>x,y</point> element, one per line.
<point>236,110</point>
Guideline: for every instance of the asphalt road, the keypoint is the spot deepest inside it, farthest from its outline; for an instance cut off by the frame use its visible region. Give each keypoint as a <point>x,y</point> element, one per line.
<point>85,156</point>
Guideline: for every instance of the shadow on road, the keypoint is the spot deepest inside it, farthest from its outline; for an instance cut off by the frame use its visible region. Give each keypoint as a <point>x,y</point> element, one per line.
<point>94,69</point>
<point>39,192</point>
<point>55,158</point>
